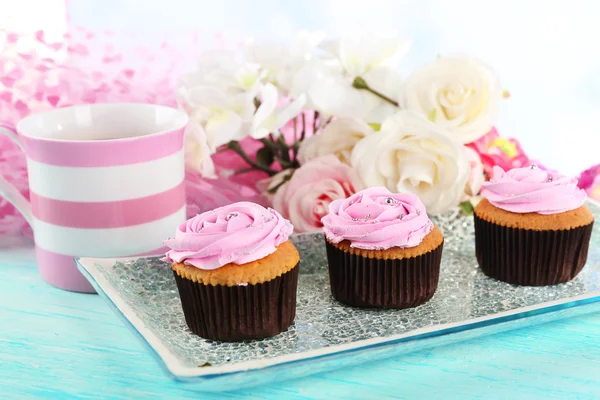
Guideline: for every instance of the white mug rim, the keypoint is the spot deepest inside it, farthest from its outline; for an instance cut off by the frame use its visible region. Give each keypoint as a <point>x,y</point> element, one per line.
<point>180,115</point>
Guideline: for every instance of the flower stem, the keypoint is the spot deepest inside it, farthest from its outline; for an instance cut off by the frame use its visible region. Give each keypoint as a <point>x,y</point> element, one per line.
<point>360,83</point>
<point>243,170</point>
<point>296,145</point>
<point>284,179</point>
<point>283,156</point>
<point>270,144</point>
<point>285,164</point>
<point>315,120</point>
<point>303,123</point>
<point>235,146</point>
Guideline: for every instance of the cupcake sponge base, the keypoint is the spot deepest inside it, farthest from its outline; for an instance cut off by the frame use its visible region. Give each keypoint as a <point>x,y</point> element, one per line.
<point>576,218</point>
<point>265,269</point>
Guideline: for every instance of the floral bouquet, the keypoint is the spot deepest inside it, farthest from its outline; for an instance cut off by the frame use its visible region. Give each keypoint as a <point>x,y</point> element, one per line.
<point>316,121</point>
<point>294,127</point>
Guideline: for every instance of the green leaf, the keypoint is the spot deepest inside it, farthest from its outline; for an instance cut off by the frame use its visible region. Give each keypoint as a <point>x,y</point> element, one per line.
<point>466,207</point>
<point>375,127</point>
<point>432,115</point>
<point>265,156</point>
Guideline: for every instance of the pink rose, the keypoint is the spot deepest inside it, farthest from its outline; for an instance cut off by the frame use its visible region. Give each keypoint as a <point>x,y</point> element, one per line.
<point>305,198</point>
<point>589,180</point>
<point>496,150</point>
<point>477,177</point>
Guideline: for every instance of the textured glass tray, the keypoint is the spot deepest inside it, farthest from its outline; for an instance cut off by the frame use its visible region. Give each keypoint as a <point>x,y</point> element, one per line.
<point>326,334</point>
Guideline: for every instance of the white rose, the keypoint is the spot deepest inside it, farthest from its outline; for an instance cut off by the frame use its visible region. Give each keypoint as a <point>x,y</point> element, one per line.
<point>338,138</point>
<point>457,92</point>
<point>476,176</point>
<point>411,154</point>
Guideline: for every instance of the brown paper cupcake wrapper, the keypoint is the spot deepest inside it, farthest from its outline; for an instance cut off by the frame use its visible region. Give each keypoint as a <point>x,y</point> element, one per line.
<point>374,283</point>
<point>233,313</point>
<point>528,257</point>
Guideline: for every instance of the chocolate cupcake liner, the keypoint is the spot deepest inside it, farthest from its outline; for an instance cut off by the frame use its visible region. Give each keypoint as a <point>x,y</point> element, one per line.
<point>234,313</point>
<point>375,283</point>
<point>529,257</point>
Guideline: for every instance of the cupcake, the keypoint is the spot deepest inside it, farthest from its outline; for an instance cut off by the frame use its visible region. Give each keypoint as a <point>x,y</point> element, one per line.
<point>382,250</point>
<point>236,272</point>
<point>532,228</point>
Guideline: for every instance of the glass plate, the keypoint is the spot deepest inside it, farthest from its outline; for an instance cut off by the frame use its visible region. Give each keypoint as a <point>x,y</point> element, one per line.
<point>327,335</point>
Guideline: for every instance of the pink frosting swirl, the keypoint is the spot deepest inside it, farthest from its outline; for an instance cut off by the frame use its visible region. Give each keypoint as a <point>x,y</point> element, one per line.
<point>533,190</point>
<point>377,219</point>
<point>238,233</point>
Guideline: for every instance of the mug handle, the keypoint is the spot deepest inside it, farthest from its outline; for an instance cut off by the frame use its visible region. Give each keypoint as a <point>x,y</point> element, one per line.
<point>7,189</point>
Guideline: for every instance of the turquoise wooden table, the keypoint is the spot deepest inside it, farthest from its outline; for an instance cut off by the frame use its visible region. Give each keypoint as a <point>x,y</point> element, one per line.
<point>60,345</point>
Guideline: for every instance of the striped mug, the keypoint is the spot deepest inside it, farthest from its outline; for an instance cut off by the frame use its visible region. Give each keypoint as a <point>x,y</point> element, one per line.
<point>105,180</point>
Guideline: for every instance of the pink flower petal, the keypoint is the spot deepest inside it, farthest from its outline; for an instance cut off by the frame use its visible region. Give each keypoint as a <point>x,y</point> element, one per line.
<point>6,96</point>
<point>78,49</point>
<point>102,88</point>
<point>111,59</point>
<point>39,36</point>
<point>26,56</point>
<point>16,74</point>
<point>7,81</point>
<point>21,107</point>
<point>12,37</point>
<point>53,100</point>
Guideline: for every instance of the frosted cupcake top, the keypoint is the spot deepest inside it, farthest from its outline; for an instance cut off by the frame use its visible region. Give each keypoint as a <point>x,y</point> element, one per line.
<point>532,190</point>
<point>238,233</point>
<point>377,219</point>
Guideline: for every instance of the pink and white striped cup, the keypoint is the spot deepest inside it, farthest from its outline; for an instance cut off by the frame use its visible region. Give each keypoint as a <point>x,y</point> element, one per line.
<point>106,180</point>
